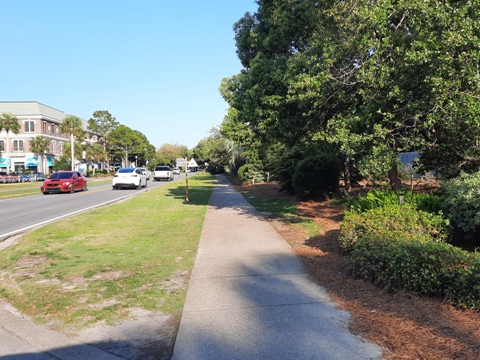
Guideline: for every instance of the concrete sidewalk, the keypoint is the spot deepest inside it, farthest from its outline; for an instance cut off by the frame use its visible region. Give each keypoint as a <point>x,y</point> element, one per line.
<point>21,339</point>
<point>250,298</point>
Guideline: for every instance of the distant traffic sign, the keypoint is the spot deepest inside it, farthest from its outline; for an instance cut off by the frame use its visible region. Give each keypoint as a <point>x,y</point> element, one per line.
<point>180,162</point>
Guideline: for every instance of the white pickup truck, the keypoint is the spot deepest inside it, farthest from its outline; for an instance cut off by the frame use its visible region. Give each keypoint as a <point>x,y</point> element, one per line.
<point>163,173</point>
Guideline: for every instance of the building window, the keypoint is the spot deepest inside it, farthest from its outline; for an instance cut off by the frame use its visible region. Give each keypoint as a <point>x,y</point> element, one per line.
<point>18,145</point>
<point>60,145</point>
<point>53,128</point>
<point>2,145</point>
<point>44,127</point>
<point>29,126</point>
<point>54,147</point>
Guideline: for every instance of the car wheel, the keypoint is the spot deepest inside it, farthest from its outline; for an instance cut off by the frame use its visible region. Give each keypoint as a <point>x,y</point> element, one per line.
<point>145,184</point>
<point>72,190</point>
<point>85,187</point>
<point>139,185</point>
<point>114,188</point>
<point>45,193</point>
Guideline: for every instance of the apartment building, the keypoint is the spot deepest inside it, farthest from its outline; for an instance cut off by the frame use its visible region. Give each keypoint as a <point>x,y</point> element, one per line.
<point>35,119</point>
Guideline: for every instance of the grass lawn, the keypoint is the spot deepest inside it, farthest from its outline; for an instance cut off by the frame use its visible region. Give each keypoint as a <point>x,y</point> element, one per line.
<point>99,265</point>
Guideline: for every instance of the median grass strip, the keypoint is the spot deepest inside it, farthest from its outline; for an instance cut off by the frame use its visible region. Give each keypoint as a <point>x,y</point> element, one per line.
<point>14,190</point>
<point>99,265</point>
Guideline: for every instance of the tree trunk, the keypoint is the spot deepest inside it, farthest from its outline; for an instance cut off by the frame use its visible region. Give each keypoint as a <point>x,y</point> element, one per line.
<point>395,182</point>
<point>347,175</point>
<point>7,148</point>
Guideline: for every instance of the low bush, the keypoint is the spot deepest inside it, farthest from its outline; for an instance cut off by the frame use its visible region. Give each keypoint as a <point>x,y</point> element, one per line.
<point>427,268</point>
<point>380,198</point>
<point>316,177</point>
<point>462,202</point>
<point>392,223</point>
<point>214,168</point>
<point>249,172</point>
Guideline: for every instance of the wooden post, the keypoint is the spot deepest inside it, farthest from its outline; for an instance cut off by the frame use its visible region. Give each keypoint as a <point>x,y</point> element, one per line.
<point>186,181</point>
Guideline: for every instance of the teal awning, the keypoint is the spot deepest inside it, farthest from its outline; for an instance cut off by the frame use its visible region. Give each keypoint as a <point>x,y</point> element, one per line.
<point>31,162</point>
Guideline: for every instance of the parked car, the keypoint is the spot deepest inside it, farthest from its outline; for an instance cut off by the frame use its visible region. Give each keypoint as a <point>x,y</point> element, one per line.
<point>8,178</point>
<point>176,171</point>
<point>39,177</point>
<point>130,177</point>
<point>25,178</point>
<point>163,172</point>
<point>64,182</point>
<point>4,177</point>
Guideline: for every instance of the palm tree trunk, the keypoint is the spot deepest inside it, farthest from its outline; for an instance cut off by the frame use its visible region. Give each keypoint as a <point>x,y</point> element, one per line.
<point>72,151</point>
<point>7,140</point>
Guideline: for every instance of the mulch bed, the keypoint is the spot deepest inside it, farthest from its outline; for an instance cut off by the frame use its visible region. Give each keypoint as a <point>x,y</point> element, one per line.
<point>405,325</point>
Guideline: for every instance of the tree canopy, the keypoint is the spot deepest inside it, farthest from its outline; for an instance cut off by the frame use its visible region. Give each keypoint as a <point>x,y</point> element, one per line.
<point>372,79</point>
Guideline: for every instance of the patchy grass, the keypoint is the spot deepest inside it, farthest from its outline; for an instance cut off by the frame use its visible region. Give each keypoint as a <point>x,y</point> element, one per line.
<point>98,265</point>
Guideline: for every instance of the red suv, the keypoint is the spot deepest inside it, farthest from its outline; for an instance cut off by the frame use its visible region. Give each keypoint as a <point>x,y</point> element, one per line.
<point>64,181</point>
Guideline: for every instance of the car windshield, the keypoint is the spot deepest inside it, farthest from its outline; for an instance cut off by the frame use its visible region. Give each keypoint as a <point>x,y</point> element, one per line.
<point>62,175</point>
<point>162,168</point>
<point>126,170</point>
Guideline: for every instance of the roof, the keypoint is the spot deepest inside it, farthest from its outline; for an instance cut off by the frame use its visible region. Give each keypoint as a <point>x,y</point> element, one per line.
<point>34,109</point>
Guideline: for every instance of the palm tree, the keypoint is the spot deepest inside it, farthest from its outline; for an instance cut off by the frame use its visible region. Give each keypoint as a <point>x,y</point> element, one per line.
<point>8,122</point>
<point>72,125</point>
<point>96,153</point>
<point>39,145</point>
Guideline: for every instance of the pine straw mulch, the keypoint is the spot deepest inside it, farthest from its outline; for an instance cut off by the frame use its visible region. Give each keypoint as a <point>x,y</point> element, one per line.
<point>405,325</point>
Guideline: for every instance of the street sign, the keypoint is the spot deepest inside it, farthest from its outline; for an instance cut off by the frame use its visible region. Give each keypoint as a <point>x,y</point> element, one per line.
<point>180,162</point>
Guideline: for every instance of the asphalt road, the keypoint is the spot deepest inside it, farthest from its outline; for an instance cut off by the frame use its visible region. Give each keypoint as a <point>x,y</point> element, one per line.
<point>21,214</point>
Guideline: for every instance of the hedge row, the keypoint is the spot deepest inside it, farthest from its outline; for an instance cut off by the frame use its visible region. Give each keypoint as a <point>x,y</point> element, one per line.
<point>427,268</point>
<point>399,247</point>
<point>392,223</point>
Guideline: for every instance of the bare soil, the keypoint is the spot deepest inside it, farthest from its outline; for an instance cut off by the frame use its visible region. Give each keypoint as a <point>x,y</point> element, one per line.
<point>405,325</point>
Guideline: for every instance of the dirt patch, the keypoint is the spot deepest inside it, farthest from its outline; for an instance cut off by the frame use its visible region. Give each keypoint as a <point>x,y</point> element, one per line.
<point>405,325</point>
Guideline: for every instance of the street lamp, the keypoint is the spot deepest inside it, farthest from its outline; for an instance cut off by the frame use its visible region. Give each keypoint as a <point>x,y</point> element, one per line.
<point>44,162</point>
<point>135,160</point>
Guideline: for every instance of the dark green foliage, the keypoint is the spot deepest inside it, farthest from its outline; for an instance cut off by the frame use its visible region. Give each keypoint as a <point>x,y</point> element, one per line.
<point>285,165</point>
<point>215,168</point>
<point>427,268</point>
<point>316,177</point>
<point>392,223</point>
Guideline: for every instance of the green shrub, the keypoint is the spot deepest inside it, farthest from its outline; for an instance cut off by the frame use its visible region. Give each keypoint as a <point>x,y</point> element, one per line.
<point>215,168</point>
<point>427,268</point>
<point>249,172</point>
<point>392,223</point>
<point>462,202</point>
<point>380,198</point>
<point>316,177</point>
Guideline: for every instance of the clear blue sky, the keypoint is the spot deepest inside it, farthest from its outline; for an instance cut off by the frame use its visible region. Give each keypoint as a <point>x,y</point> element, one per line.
<point>155,65</point>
